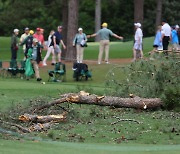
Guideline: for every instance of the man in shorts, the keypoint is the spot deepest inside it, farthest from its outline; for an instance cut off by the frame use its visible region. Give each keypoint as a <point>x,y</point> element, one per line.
<point>138,42</point>
<point>57,40</point>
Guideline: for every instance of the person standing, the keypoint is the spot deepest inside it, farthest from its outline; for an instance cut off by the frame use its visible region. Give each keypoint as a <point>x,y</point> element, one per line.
<point>57,40</point>
<point>158,39</point>
<point>22,38</point>
<point>137,41</point>
<point>175,40</point>
<point>14,44</point>
<point>104,34</point>
<point>50,48</point>
<point>80,41</point>
<point>28,42</point>
<point>32,58</point>
<point>166,35</point>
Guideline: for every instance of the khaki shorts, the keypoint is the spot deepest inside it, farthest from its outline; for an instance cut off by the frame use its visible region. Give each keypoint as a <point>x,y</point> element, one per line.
<point>57,49</point>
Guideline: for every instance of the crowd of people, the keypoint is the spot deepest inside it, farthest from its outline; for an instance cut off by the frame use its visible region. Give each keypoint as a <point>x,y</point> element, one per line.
<point>33,43</point>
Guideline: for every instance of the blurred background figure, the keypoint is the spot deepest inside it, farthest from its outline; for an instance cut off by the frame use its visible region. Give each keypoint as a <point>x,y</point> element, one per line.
<point>175,40</point>
<point>22,38</point>
<point>137,42</point>
<point>14,44</point>
<point>50,48</point>
<point>80,41</point>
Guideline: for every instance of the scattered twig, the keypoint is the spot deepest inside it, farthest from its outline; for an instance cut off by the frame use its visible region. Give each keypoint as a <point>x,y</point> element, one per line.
<point>119,120</point>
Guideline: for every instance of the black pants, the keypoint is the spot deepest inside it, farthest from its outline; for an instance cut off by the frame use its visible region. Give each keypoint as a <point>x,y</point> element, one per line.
<point>13,53</point>
<point>165,42</point>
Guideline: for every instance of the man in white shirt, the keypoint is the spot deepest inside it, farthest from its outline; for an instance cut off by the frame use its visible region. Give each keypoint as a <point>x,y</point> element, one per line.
<point>166,35</point>
<point>23,36</point>
<point>137,41</point>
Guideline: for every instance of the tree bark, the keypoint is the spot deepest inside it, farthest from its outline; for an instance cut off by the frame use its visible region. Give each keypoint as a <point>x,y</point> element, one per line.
<point>65,25</point>
<point>73,6</point>
<point>158,13</point>
<point>139,11</point>
<point>43,119</point>
<point>97,18</point>
<point>85,98</point>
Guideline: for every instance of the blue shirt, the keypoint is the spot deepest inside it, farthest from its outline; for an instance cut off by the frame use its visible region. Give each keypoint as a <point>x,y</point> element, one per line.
<point>174,36</point>
<point>157,39</point>
<point>79,38</point>
<point>58,37</point>
<point>104,33</point>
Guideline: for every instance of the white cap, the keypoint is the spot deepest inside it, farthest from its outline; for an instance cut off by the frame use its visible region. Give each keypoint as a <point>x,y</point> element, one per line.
<point>80,29</point>
<point>16,30</point>
<point>35,40</point>
<point>177,26</point>
<point>137,24</point>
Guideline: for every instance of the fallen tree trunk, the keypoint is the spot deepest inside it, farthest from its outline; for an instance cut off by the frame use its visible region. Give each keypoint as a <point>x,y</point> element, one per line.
<point>86,98</point>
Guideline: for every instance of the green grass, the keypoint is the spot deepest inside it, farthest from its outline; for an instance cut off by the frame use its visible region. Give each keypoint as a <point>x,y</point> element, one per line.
<point>24,147</point>
<point>117,49</point>
<point>88,127</point>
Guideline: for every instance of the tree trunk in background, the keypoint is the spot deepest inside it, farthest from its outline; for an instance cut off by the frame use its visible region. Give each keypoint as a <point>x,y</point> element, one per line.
<point>72,27</point>
<point>65,24</point>
<point>97,18</point>
<point>158,13</point>
<point>139,11</point>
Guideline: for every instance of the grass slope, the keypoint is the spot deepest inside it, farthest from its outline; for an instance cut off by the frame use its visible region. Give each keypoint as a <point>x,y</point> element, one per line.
<point>89,124</point>
<point>24,147</point>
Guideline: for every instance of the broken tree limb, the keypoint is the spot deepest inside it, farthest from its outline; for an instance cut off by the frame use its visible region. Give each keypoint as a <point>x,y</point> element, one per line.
<point>86,98</point>
<point>43,119</point>
<point>52,103</point>
<point>40,127</point>
<point>21,128</point>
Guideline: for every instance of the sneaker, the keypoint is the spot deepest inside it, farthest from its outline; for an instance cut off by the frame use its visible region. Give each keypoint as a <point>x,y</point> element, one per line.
<point>39,79</point>
<point>52,63</point>
<point>99,63</point>
<point>44,64</point>
<point>107,62</point>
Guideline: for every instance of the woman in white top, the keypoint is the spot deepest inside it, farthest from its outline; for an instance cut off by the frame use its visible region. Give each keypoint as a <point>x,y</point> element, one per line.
<point>50,47</point>
<point>138,41</point>
<point>80,42</point>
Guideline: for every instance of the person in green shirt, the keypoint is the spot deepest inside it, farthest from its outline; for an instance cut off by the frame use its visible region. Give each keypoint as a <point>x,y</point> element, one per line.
<point>14,44</point>
<point>104,35</point>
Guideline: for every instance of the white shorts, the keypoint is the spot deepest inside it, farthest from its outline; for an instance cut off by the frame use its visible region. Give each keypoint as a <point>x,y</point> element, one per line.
<point>57,49</point>
<point>137,46</point>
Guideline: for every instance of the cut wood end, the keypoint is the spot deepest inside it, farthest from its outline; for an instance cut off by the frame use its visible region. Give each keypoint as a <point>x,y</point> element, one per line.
<point>83,93</point>
<point>23,118</point>
<point>100,97</point>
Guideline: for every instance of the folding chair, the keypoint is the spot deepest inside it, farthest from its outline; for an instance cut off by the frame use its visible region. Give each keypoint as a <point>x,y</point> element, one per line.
<point>81,71</point>
<point>13,68</point>
<point>58,74</point>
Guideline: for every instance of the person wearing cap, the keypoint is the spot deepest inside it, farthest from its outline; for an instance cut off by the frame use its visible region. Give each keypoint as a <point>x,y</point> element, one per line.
<point>137,41</point>
<point>79,41</point>
<point>22,38</point>
<point>40,37</point>
<point>166,35</point>
<point>28,42</point>
<point>104,34</point>
<point>175,40</point>
<point>14,44</point>
<point>57,40</point>
<point>32,56</point>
